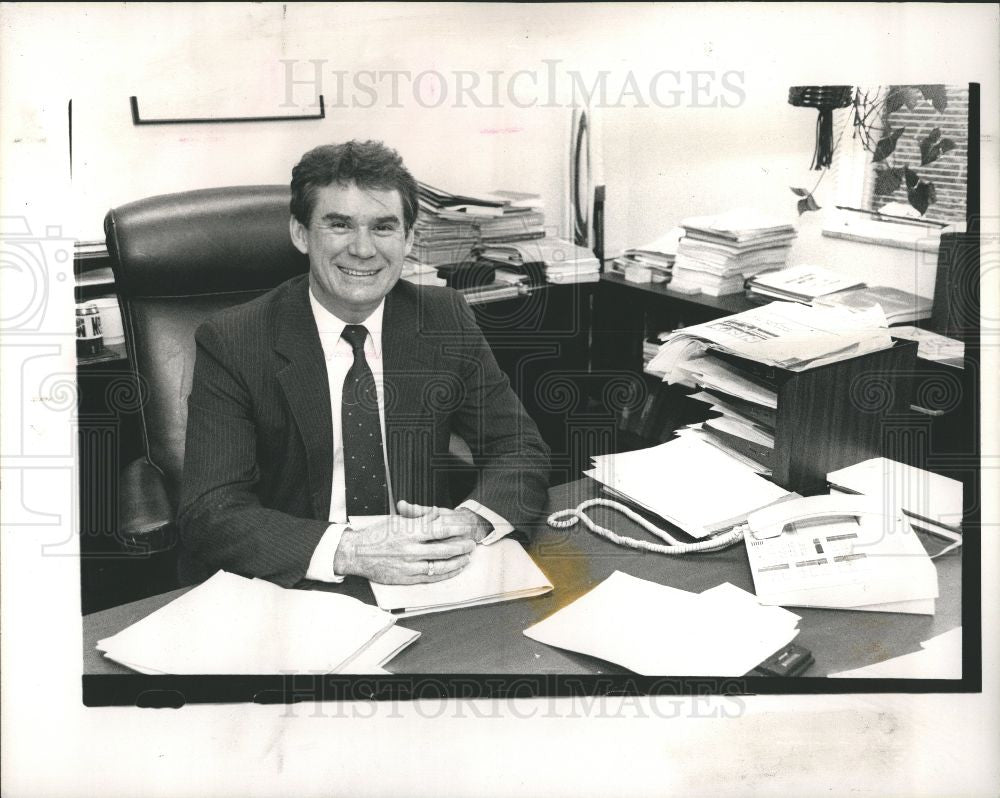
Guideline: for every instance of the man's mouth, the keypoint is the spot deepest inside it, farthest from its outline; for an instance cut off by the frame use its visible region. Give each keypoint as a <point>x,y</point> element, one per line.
<point>359,272</point>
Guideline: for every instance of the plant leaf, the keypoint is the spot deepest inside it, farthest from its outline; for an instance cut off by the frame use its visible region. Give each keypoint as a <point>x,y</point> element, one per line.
<point>921,195</point>
<point>802,192</point>
<point>911,96</point>
<point>886,146</point>
<point>937,96</point>
<point>808,203</point>
<point>929,150</point>
<point>887,180</point>
<point>912,178</point>
<point>894,100</point>
<point>933,147</point>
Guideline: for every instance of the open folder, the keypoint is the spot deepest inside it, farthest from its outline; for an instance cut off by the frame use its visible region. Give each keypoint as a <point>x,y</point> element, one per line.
<point>233,625</point>
<point>502,571</point>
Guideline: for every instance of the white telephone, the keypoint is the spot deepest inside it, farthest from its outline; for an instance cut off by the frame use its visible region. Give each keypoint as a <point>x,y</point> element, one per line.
<point>839,551</point>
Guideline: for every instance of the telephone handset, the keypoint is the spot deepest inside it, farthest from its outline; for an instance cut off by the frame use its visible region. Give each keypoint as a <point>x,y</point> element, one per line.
<point>776,519</point>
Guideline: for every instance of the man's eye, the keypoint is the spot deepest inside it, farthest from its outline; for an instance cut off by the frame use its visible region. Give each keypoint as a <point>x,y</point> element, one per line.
<point>337,225</point>
<point>385,229</point>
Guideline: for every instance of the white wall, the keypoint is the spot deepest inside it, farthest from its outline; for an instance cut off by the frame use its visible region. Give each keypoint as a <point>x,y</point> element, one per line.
<point>171,58</point>
<point>660,164</point>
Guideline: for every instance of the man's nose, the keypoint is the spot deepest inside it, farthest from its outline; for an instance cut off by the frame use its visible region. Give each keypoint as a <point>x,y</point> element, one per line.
<point>362,246</point>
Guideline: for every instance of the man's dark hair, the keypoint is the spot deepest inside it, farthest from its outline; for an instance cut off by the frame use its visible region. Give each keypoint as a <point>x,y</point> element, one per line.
<point>369,164</point>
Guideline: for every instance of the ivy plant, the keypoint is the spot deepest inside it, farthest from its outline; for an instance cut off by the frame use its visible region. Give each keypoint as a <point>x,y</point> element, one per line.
<point>869,120</point>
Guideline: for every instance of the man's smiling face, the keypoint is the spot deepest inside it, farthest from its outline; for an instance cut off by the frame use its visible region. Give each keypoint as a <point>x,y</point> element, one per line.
<point>356,245</point>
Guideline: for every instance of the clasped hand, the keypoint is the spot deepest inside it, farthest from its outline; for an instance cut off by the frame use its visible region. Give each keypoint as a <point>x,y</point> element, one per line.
<point>421,544</point>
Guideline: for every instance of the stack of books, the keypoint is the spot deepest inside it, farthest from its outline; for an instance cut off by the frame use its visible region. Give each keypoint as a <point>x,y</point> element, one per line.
<point>521,219</point>
<point>652,262</point>
<point>900,307</point>
<point>444,234</point>
<point>451,228</point>
<point>718,253</point>
<point>800,283</point>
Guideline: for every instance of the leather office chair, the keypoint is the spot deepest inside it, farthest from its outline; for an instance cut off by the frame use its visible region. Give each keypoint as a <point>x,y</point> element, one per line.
<point>178,258</point>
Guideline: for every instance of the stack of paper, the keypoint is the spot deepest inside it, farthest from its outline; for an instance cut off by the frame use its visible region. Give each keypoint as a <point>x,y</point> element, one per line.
<point>562,261</point>
<point>931,502</point>
<point>502,571</point>
<point>523,219</point>
<point>688,483</point>
<point>899,307</point>
<point>438,241</point>
<point>450,227</point>
<point>718,253</point>
<point>233,625</point>
<point>657,630</point>
<point>786,334</point>
<point>800,283</point>
<point>652,262</point>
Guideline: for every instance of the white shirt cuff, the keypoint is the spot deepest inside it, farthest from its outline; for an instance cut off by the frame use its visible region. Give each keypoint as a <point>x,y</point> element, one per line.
<point>321,563</point>
<point>501,526</point>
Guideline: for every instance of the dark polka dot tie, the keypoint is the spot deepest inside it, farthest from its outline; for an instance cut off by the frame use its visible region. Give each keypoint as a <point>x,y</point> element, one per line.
<point>364,466</point>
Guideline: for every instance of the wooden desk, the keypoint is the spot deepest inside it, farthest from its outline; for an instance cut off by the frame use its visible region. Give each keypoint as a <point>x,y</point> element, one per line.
<point>489,639</point>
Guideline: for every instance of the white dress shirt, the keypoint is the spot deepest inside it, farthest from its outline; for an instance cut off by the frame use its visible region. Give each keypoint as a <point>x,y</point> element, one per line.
<point>339,357</point>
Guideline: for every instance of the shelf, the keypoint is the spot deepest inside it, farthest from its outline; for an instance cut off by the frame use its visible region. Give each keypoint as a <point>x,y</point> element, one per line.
<point>731,303</point>
<point>110,353</point>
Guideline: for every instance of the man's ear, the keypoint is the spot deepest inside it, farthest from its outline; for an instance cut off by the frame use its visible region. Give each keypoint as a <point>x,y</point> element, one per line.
<point>300,237</point>
<point>409,242</point>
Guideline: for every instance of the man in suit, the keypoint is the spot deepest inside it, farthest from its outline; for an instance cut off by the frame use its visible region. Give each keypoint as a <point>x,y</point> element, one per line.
<point>335,395</point>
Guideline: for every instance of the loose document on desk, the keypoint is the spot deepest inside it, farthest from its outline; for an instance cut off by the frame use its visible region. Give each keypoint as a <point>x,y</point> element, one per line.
<point>690,483</point>
<point>657,630</point>
<point>502,571</point>
<point>932,502</point>
<point>233,625</point>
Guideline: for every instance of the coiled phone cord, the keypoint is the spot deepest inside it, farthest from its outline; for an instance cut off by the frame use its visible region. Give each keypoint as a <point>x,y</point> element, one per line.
<point>563,519</point>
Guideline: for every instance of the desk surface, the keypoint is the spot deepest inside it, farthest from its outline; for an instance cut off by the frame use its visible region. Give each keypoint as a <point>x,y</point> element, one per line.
<point>489,639</point>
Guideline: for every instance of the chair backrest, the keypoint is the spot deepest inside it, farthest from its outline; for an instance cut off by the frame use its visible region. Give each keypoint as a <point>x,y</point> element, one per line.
<point>177,258</point>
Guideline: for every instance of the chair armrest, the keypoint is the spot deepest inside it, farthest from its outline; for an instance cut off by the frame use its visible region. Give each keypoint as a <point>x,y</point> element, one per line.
<point>145,513</point>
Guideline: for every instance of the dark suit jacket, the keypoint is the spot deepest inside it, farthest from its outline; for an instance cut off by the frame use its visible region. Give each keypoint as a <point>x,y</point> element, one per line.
<point>258,464</point>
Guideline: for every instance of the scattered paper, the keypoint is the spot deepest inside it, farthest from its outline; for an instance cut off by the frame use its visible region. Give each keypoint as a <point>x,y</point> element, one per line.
<point>655,630</point>
<point>689,483</point>
<point>233,625</point>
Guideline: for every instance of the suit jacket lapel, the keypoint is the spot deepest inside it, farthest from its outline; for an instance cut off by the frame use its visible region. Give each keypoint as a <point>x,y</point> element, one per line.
<point>307,390</point>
